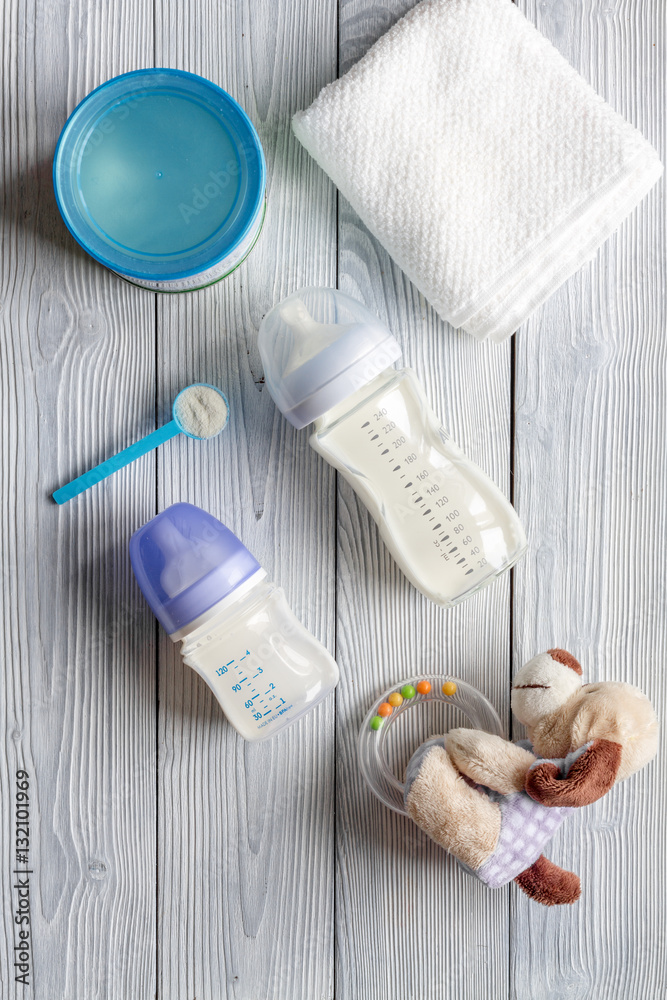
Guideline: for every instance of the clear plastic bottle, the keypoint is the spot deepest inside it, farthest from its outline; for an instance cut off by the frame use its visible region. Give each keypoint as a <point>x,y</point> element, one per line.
<point>329,361</point>
<point>236,628</point>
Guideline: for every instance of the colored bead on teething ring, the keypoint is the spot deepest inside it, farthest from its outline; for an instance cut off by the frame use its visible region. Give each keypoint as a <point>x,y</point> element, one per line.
<point>423,687</point>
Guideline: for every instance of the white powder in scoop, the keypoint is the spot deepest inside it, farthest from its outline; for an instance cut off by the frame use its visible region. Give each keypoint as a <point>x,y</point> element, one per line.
<point>201,411</point>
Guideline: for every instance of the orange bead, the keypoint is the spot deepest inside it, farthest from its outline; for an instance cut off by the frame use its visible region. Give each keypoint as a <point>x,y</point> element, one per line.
<point>395,699</point>
<point>385,709</point>
<point>449,688</point>
<point>423,687</point>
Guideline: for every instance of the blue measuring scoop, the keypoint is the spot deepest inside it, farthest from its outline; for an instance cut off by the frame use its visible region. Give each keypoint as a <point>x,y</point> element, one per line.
<point>184,421</point>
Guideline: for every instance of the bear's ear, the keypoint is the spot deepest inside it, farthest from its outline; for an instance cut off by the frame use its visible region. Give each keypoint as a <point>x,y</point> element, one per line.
<point>567,659</point>
<point>590,777</point>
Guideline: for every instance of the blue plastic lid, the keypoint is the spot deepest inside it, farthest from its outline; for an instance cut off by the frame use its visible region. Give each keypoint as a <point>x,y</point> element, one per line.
<point>319,346</point>
<point>185,561</point>
<point>159,174</point>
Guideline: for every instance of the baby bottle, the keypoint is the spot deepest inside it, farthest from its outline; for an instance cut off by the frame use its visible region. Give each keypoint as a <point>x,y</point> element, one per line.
<point>330,362</point>
<point>235,627</point>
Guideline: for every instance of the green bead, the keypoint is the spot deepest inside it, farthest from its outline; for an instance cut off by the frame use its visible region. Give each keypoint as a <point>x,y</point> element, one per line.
<point>408,691</point>
<point>377,722</point>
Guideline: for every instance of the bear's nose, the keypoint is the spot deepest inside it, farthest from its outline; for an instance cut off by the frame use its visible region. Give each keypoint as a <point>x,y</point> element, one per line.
<point>520,687</point>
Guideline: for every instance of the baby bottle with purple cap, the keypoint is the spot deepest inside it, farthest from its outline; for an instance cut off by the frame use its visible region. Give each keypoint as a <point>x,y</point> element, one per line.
<point>236,628</point>
<point>330,362</point>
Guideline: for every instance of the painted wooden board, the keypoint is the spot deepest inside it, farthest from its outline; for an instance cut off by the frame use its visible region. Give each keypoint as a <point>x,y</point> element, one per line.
<point>245,832</point>
<point>409,922</point>
<point>169,858</point>
<point>77,688</point>
<point>590,482</point>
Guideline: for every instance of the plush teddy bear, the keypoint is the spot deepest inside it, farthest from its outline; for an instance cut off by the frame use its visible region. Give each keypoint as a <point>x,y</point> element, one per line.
<point>495,804</point>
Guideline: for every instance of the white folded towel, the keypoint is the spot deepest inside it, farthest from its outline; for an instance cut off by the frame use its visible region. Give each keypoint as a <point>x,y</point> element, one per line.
<point>487,167</point>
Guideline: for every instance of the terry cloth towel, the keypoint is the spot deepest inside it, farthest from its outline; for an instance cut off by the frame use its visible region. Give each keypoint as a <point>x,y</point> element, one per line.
<point>485,165</point>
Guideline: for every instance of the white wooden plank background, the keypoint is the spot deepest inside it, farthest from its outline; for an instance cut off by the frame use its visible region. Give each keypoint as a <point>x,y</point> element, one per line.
<point>169,857</point>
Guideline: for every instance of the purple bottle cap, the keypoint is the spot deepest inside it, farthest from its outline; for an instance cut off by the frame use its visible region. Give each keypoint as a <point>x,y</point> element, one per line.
<point>185,561</point>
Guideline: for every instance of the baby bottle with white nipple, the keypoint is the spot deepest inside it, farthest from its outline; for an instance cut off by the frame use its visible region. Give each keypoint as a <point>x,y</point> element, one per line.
<point>329,361</point>
<point>235,627</point>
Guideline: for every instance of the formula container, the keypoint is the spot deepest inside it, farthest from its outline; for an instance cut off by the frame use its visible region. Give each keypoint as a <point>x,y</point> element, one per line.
<point>160,175</point>
<point>328,360</point>
<point>235,627</point>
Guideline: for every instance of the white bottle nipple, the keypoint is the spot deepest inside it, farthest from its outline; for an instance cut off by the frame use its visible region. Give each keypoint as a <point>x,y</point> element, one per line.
<point>312,337</point>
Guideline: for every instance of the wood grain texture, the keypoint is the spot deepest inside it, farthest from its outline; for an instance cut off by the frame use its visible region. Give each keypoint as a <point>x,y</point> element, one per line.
<point>591,478</point>
<point>279,877</point>
<point>246,854</point>
<point>409,922</point>
<point>77,378</point>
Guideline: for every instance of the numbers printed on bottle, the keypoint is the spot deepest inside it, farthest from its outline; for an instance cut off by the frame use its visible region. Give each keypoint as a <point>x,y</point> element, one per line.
<point>451,531</point>
<point>236,687</point>
<point>221,670</point>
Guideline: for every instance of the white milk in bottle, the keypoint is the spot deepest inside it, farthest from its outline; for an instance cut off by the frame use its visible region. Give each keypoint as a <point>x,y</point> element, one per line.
<point>236,628</point>
<point>329,361</point>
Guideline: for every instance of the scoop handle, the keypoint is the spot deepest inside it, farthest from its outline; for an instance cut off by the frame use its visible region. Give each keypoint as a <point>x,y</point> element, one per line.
<point>116,462</point>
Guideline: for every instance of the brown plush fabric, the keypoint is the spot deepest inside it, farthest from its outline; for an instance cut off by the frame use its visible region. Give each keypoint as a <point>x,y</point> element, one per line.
<point>562,656</point>
<point>590,777</point>
<point>548,884</point>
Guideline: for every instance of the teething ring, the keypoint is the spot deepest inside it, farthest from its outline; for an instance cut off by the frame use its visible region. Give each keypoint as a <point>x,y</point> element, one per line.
<point>400,698</point>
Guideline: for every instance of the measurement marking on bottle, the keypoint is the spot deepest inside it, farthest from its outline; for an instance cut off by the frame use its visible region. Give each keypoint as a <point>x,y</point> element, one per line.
<point>432,481</point>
